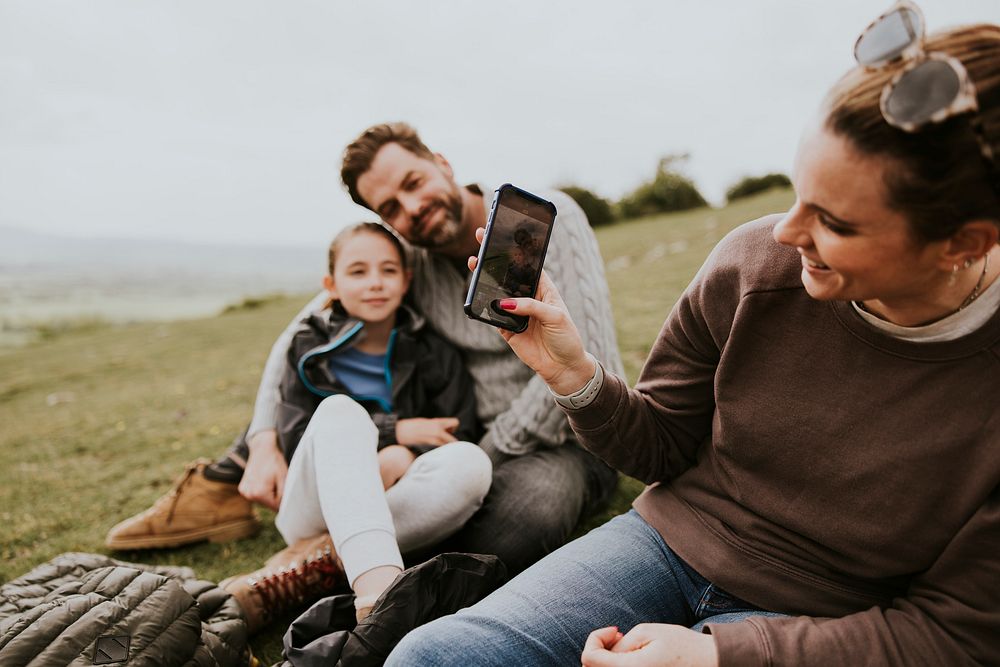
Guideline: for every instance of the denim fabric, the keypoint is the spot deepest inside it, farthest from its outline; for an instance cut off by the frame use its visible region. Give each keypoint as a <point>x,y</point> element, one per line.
<point>534,504</point>
<point>619,574</point>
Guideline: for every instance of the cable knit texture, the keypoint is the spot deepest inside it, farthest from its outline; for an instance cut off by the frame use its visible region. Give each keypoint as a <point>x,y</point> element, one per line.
<point>511,398</point>
<point>512,401</point>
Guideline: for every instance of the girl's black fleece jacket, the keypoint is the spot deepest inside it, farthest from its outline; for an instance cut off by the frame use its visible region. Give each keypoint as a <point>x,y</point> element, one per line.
<point>427,377</point>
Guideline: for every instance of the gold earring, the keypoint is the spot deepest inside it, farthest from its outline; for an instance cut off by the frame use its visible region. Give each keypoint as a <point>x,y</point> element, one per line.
<point>968,263</point>
<point>953,276</point>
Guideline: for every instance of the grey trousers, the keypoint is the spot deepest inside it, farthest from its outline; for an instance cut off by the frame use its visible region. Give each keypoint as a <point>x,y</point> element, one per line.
<point>334,486</point>
<point>533,505</point>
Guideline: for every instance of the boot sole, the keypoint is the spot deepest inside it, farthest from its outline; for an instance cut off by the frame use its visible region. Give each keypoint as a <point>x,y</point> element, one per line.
<point>221,532</point>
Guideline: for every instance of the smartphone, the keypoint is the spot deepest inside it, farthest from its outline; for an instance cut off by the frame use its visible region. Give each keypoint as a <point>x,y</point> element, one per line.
<point>511,256</point>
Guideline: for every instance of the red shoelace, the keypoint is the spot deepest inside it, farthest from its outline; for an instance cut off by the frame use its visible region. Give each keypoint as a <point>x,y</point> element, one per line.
<point>290,587</point>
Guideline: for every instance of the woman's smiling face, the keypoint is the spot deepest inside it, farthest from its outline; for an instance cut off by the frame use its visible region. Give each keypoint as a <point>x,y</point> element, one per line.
<point>854,246</point>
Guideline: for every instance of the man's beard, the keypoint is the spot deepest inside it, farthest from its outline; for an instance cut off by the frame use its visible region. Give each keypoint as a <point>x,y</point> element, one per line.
<point>450,227</point>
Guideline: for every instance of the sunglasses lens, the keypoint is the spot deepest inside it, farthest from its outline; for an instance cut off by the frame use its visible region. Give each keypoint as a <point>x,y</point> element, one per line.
<point>924,90</point>
<point>889,37</point>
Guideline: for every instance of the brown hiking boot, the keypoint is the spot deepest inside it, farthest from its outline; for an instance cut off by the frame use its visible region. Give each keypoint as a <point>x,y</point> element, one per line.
<point>293,577</point>
<point>195,509</point>
<point>302,550</point>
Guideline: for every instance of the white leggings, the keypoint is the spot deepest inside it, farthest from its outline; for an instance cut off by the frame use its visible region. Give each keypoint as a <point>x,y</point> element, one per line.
<point>334,486</point>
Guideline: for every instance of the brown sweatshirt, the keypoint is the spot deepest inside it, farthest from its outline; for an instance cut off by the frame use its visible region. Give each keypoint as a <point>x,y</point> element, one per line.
<point>810,464</point>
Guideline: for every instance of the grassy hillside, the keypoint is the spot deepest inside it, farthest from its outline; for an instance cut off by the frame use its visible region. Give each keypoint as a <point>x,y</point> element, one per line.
<point>97,422</point>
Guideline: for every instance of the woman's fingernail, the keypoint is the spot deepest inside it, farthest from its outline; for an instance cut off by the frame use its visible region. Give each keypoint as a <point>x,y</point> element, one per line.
<point>508,304</point>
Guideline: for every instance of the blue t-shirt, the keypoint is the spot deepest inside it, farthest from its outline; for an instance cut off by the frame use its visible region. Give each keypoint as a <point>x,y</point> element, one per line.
<point>366,376</point>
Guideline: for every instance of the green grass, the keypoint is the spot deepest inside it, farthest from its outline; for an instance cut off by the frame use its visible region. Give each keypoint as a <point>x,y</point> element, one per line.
<point>98,420</point>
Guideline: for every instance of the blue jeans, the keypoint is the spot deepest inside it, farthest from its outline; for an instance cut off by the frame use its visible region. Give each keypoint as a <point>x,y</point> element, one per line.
<point>534,503</point>
<point>619,574</point>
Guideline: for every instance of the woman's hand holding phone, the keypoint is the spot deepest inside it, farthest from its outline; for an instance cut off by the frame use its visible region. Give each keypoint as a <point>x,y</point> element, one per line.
<point>551,345</point>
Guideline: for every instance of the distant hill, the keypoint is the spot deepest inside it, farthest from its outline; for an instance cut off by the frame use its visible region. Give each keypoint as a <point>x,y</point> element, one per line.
<point>45,277</point>
<point>21,248</point>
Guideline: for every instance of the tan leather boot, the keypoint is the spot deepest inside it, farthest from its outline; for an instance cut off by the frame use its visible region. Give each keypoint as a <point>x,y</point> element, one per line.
<point>195,509</point>
<point>303,550</point>
<point>294,577</point>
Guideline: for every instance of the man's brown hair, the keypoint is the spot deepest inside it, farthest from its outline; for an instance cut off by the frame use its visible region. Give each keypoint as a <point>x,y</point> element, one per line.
<point>360,153</point>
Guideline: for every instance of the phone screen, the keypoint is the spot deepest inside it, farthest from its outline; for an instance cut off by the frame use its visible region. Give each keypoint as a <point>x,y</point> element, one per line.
<point>510,261</point>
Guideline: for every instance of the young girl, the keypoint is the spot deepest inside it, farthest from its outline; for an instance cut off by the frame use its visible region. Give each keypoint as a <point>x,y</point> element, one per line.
<point>377,416</point>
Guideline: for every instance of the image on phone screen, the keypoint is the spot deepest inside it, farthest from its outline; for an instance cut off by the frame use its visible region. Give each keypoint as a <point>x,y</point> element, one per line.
<point>511,259</point>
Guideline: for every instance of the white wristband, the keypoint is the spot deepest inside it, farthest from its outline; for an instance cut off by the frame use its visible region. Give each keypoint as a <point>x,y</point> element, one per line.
<point>587,394</point>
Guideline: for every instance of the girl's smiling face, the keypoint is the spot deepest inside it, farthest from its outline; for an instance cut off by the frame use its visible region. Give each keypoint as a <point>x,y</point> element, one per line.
<point>368,277</point>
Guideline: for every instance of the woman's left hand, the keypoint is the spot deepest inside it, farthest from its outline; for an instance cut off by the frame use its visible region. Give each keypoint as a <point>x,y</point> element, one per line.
<point>650,645</point>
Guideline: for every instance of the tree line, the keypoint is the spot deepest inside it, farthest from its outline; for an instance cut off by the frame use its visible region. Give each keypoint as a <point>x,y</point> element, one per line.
<point>669,190</point>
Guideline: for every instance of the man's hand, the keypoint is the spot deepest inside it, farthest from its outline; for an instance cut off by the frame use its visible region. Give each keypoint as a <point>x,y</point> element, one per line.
<point>264,478</point>
<point>419,431</point>
<point>650,645</point>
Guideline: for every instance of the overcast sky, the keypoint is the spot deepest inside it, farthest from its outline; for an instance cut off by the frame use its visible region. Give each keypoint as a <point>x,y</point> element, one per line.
<point>205,120</point>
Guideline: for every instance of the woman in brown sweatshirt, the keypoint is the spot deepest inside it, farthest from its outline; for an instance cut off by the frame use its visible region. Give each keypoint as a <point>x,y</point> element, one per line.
<point>818,420</point>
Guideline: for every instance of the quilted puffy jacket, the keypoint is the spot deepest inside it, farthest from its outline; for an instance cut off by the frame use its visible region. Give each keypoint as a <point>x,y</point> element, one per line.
<point>88,609</point>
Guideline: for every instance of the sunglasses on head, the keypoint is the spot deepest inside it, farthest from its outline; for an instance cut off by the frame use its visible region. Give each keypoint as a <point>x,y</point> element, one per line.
<point>930,88</point>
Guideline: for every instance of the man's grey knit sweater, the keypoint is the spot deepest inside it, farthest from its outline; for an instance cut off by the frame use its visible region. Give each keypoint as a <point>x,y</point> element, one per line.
<point>512,401</point>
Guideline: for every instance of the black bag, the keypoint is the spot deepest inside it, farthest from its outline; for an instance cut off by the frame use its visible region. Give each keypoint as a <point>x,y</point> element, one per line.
<point>326,634</point>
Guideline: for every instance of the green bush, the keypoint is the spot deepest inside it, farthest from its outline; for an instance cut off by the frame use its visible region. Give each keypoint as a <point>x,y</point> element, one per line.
<point>253,303</point>
<point>597,208</point>
<point>751,185</point>
<point>60,327</point>
<point>670,190</point>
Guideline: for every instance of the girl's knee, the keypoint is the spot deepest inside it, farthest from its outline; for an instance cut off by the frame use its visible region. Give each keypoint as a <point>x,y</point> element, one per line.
<point>341,412</point>
<point>341,405</point>
<point>469,465</point>
<point>480,466</point>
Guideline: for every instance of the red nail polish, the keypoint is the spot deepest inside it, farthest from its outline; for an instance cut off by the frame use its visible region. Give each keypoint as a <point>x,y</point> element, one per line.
<point>508,304</point>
